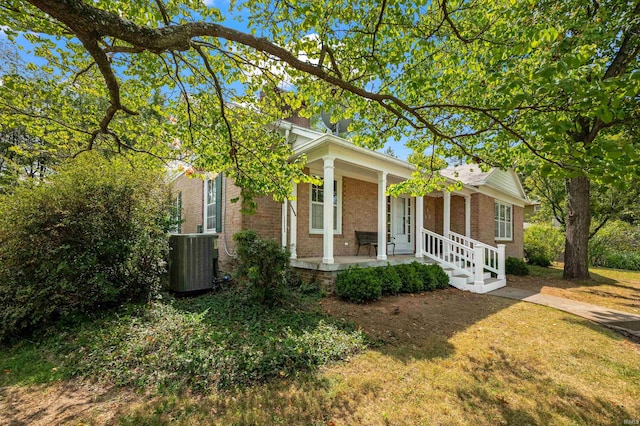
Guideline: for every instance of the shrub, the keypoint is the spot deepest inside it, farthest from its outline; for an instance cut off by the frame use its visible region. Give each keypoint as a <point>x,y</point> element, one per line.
<point>614,240</point>
<point>542,244</point>
<point>411,278</point>
<point>539,261</point>
<point>515,266</point>
<point>359,285</point>
<point>439,278</point>
<point>90,237</point>
<point>262,264</point>
<point>391,282</point>
<point>628,261</point>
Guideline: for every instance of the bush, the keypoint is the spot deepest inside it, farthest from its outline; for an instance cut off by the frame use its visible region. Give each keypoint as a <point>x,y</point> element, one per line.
<point>391,282</point>
<point>359,285</point>
<point>539,261</point>
<point>542,244</point>
<point>617,243</point>
<point>628,261</point>
<point>366,284</point>
<point>515,266</point>
<point>263,265</point>
<point>438,277</point>
<point>90,237</point>
<point>411,278</point>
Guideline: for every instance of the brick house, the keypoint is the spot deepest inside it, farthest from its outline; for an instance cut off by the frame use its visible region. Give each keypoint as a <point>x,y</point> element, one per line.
<point>469,232</point>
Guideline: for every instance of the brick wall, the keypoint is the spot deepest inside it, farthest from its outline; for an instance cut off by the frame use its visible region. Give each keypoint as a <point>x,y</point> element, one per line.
<point>433,214</point>
<point>359,212</point>
<point>483,225</point>
<point>232,223</point>
<point>266,221</point>
<point>457,223</point>
<point>192,202</point>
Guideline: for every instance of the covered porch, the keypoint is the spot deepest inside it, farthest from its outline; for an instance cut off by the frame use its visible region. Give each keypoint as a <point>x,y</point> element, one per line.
<point>322,221</point>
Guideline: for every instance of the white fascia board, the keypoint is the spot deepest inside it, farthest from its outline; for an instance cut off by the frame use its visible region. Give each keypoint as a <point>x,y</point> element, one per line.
<point>520,187</point>
<point>501,196</point>
<point>348,152</point>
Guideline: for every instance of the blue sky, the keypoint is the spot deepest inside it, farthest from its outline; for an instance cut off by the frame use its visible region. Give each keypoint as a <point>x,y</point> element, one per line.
<point>236,21</point>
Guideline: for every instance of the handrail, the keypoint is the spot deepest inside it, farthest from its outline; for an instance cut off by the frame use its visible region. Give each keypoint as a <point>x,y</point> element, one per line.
<point>446,251</point>
<point>463,254</point>
<point>491,255</point>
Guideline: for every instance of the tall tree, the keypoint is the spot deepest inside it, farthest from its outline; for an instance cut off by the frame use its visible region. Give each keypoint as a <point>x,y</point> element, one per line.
<point>495,82</point>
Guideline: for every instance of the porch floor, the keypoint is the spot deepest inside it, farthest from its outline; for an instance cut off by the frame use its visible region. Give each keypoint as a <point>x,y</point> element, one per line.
<point>344,262</point>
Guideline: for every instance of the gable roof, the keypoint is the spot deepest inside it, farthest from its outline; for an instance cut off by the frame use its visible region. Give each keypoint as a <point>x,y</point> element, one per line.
<point>506,181</point>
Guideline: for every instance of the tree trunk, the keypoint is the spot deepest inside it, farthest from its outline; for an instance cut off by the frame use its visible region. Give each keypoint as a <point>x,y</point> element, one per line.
<point>578,222</point>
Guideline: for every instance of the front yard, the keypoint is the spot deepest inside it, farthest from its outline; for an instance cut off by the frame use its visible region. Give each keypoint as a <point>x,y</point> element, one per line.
<point>446,357</point>
<point>611,288</point>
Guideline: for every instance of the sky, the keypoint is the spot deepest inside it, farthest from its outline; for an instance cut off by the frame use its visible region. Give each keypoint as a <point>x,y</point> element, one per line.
<point>235,20</point>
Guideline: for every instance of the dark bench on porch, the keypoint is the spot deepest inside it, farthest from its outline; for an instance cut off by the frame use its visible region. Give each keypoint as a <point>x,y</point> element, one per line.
<point>368,238</point>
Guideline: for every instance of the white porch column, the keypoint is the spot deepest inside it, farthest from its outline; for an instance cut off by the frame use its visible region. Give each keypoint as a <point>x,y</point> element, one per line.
<point>327,236</point>
<point>382,216</point>
<point>285,222</point>
<point>467,216</point>
<point>446,226</point>
<point>419,224</point>
<point>293,222</point>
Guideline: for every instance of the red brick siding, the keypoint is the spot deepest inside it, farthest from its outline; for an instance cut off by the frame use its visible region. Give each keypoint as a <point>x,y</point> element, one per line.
<point>483,225</point>
<point>192,202</point>
<point>232,223</point>
<point>457,223</point>
<point>359,212</point>
<point>267,219</point>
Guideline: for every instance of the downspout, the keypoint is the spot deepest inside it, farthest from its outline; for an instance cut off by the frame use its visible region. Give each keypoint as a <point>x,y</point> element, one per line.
<point>224,217</point>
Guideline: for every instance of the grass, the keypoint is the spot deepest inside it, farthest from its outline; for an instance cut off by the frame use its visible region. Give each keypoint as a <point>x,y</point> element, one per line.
<point>444,357</point>
<point>612,288</point>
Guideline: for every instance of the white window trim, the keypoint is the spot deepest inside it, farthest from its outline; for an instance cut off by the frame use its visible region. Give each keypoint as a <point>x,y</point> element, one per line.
<point>338,230</point>
<point>510,206</point>
<point>205,193</point>
<point>176,207</point>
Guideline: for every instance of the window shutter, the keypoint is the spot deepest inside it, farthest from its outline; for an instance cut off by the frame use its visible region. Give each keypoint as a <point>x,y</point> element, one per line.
<point>219,202</point>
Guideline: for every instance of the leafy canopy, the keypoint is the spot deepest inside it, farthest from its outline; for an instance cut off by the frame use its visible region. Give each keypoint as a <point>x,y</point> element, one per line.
<point>496,82</point>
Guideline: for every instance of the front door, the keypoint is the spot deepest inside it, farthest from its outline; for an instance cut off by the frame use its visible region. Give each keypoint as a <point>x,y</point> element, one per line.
<point>400,223</point>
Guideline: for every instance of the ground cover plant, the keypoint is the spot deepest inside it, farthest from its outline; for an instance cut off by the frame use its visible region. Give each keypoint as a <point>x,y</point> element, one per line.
<point>445,357</point>
<point>214,341</point>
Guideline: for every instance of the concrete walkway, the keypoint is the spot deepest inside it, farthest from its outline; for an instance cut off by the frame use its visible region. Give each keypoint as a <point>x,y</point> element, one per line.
<point>611,318</point>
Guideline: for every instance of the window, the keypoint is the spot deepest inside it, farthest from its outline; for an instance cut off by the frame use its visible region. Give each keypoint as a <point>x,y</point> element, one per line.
<point>176,214</point>
<point>316,208</point>
<point>213,204</point>
<point>503,214</point>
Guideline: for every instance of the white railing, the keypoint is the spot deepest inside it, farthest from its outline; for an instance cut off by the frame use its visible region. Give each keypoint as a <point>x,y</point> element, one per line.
<point>461,239</point>
<point>493,257</point>
<point>448,252</point>
<point>464,255</point>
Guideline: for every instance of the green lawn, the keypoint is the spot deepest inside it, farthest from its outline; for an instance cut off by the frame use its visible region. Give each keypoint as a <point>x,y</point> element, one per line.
<point>446,357</point>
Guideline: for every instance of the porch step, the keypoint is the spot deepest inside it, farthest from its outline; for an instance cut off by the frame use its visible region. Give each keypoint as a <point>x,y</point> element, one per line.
<point>488,285</point>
